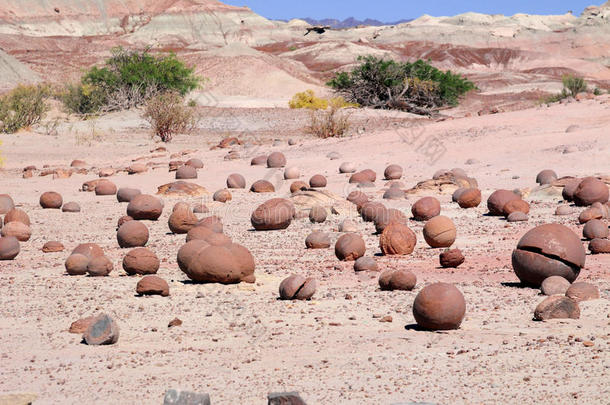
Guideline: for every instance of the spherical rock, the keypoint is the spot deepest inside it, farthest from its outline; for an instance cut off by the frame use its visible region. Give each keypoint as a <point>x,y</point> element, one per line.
<point>137,168</point>
<point>394,193</point>
<point>548,250</point>
<point>590,214</point>
<point>569,189</point>
<point>426,208</point>
<point>194,162</point>
<point>105,187</point>
<point>145,206</point>
<point>350,247</point>
<point>297,287</point>
<point>498,199</point>
<point>186,172</point>
<point>317,240</point>
<point>397,280</point>
<point>222,196</point>
<point>557,307</point>
<point>516,206</point>
<point>554,285</point>
<point>181,219</point>
<point>262,186</point>
<point>228,264</point>
<point>347,167</point>
<point>276,159</point>
<point>594,229</point>
<point>141,261</point>
<point>591,190</point>
<point>393,172</point>
<point>582,292</point>
<point>126,194</point>
<point>152,285</point>
<point>132,234</point>
<point>365,263</point>
<point>372,210</point>
<point>51,199</point>
<point>440,232</point>
<point>76,264</point>
<point>6,203</point>
<point>358,198</point>
<point>259,160</point>
<point>457,193</point>
<point>122,220</point>
<point>388,216</point>
<point>291,172</point>
<point>17,229</point>
<point>599,246</point>
<point>546,177</point>
<point>397,239</point>
<point>364,176</point>
<point>17,215</point>
<point>99,266</point>
<point>53,247</point>
<point>274,214</point>
<point>563,210</point>
<point>348,226</point>
<point>317,214</point>
<point>236,180</point>
<point>469,198</point>
<point>439,306</point>
<point>9,248</point>
<point>71,207</point>
<point>317,181</point>
<point>298,186</point>
<point>517,216</point>
<point>451,258</point>
<point>213,223</point>
<point>90,250</point>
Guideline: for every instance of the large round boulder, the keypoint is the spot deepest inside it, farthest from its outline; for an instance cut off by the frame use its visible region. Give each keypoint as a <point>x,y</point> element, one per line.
<point>132,234</point>
<point>274,214</point>
<point>350,247</point>
<point>439,306</point>
<point>146,207</point>
<point>141,261</point>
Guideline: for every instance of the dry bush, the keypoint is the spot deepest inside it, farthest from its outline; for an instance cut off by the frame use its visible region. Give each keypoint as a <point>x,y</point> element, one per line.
<point>168,115</point>
<point>22,107</point>
<point>330,123</point>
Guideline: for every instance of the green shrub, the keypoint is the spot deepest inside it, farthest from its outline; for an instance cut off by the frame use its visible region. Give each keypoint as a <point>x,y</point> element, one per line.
<point>597,91</point>
<point>416,87</point>
<point>22,107</point>
<point>573,85</point>
<point>168,115</point>
<point>128,79</point>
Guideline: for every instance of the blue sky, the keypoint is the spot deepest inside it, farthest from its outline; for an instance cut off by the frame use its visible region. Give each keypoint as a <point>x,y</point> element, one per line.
<point>392,10</point>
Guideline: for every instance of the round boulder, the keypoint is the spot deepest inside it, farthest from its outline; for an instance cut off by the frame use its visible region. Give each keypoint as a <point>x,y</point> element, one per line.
<point>397,280</point>
<point>6,203</point>
<point>317,181</point>
<point>274,214</point>
<point>70,207</point>
<point>236,180</point>
<point>17,229</point>
<point>262,186</point>
<point>392,172</point>
<point>469,198</point>
<point>317,214</point>
<point>152,285</point>
<point>548,250</point>
<point>99,266</point>
<point>259,160</point>
<point>554,285</point>
<point>76,264</point>
<point>298,186</point>
<point>132,234</point>
<point>51,199</point>
<point>222,196</point>
<point>591,190</point>
<point>365,263</point>
<point>126,194</point>
<point>181,219</point>
<point>194,162</point>
<point>141,261</point>
<point>440,232</point>
<point>599,246</point>
<point>297,287</point>
<point>105,187</point>
<point>350,247</point>
<point>291,173</point>
<point>186,172</point>
<point>17,215</point>
<point>228,264</point>
<point>317,240</point>
<point>52,247</point>
<point>9,248</point>
<point>595,229</point>
<point>145,207</point>
<point>582,292</point>
<point>347,167</point>
<point>546,177</point>
<point>397,239</point>
<point>276,160</point>
<point>451,258</point>
<point>498,199</point>
<point>426,208</point>
<point>557,307</point>
<point>439,306</point>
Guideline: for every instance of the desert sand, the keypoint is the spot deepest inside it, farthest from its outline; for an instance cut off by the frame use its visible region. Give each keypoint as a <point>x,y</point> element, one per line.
<point>351,343</point>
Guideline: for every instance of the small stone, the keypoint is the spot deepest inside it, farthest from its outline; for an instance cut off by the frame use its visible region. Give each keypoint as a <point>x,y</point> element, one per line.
<point>365,263</point>
<point>71,207</point>
<point>557,307</point>
<point>554,285</point>
<point>103,330</point>
<point>52,247</point>
<point>174,322</point>
<point>582,291</point>
<point>451,258</point>
<point>284,398</point>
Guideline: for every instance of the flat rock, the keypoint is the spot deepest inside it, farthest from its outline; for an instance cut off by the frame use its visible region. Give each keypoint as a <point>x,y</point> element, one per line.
<point>102,330</point>
<point>557,307</point>
<point>181,189</point>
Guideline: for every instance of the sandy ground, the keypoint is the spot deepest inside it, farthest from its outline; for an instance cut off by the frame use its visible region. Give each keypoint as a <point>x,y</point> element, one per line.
<point>240,342</point>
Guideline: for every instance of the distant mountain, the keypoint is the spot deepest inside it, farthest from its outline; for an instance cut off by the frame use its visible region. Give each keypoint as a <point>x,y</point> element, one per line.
<point>350,22</point>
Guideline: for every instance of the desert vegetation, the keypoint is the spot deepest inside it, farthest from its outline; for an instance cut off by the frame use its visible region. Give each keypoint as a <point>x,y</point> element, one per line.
<point>22,107</point>
<point>416,87</point>
<point>167,115</point>
<point>572,85</point>
<point>126,80</point>
<point>330,122</point>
